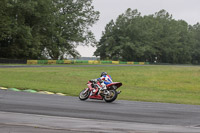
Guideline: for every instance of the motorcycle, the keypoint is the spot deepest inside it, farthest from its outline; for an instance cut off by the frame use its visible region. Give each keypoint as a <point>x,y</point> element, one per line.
<point>93,91</point>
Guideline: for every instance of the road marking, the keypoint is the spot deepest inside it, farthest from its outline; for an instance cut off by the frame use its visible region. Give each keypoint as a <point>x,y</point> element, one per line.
<point>14,89</point>
<point>33,91</point>
<point>3,88</point>
<point>60,94</point>
<point>29,90</point>
<point>47,92</point>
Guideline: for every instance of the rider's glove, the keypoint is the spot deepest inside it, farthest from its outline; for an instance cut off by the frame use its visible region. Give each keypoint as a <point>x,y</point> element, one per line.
<point>93,80</point>
<point>100,80</point>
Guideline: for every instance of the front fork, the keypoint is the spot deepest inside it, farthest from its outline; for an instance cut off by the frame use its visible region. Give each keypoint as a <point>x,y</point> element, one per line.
<point>85,90</point>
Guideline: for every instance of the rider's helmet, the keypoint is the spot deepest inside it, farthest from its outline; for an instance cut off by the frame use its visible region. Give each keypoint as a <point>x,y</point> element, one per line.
<point>103,73</point>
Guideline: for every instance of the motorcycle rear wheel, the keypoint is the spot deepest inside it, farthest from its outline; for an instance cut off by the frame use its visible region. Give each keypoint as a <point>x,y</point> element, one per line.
<point>84,95</point>
<point>111,97</point>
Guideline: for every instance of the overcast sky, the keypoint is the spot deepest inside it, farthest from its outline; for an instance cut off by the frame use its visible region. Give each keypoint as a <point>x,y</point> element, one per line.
<point>188,10</point>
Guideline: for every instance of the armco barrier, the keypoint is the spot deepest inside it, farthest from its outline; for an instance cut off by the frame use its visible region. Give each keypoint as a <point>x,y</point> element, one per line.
<point>122,62</point>
<point>82,61</point>
<point>115,62</point>
<point>91,62</point>
<point>67,62</point>
<point>59,61</point>
<point>106,62</point>
<point>94,62</point>
<point>130,62</point>
<point>51,61</point>
<point>97,62</point>
<point>32,61</point>
<point>42,61</point>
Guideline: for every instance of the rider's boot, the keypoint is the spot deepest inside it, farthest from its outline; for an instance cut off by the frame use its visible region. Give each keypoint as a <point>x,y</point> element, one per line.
<point>94,91</point>
<point>103,88</point>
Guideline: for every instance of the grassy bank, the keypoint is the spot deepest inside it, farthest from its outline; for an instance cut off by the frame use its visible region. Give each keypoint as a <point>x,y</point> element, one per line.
<point>171,84</point>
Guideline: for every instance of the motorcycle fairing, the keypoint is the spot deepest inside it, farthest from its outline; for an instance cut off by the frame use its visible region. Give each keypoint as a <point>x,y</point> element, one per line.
<point>118,84</point>
<point>99,97</point>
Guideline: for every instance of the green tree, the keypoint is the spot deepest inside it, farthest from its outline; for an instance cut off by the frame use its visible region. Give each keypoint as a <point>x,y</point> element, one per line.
<point>45,28</point>
<point>195,31</point>
<point>70,24</point>
<point>20,42</point>
<point>133,37</point>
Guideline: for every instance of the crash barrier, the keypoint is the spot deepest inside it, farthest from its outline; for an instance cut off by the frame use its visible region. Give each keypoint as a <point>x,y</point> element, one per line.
<point>18,61</point>
<point>82,62</point>
<point>32,61</point>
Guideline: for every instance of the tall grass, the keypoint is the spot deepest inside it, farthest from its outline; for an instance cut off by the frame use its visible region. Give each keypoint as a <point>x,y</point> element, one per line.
<point>171,84</point>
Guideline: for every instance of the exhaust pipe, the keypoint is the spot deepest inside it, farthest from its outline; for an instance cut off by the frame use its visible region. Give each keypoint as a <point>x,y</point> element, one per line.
<point>118,92</point>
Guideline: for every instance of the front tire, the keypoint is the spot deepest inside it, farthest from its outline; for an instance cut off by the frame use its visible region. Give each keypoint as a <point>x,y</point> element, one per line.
<point>111,97</point>
<point>84,94</point>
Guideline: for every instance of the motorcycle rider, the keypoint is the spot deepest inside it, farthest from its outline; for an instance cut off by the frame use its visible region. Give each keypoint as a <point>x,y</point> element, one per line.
<point>104,79</point>
<point>107,80</point>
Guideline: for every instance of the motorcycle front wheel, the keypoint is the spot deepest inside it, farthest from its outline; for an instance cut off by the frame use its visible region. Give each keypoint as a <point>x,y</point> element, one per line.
<point>111,97</point>
<point>84,94</point>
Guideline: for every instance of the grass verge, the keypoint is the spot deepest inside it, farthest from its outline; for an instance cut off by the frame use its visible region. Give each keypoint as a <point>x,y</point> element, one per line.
<point>170,84</point>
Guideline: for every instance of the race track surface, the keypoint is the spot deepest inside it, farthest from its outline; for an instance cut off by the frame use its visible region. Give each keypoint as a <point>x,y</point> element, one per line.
<point>186,117</point>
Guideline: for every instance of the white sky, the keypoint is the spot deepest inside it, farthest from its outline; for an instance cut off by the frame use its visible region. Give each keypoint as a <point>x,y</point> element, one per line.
<point>188,10</point>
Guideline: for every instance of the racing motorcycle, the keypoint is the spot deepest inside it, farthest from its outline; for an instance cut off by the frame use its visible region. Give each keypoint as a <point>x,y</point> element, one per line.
<point>93,91</point>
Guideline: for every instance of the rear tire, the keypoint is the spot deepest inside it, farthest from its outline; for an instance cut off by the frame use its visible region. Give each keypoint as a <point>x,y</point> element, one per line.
<point>110,98</point>
<point>83,96</point>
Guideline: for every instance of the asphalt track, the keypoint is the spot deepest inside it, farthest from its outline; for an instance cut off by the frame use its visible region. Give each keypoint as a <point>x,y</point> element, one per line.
<point>33,112</point>
<point>22,112</point>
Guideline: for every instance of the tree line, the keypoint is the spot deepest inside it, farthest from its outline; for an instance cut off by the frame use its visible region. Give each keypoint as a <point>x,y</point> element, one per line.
<point>156,37</point>
<point>37,29</point>
<point>40,29</point>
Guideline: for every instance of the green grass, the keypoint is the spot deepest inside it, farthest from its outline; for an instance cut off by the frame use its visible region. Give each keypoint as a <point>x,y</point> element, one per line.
<point>170,84</point>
